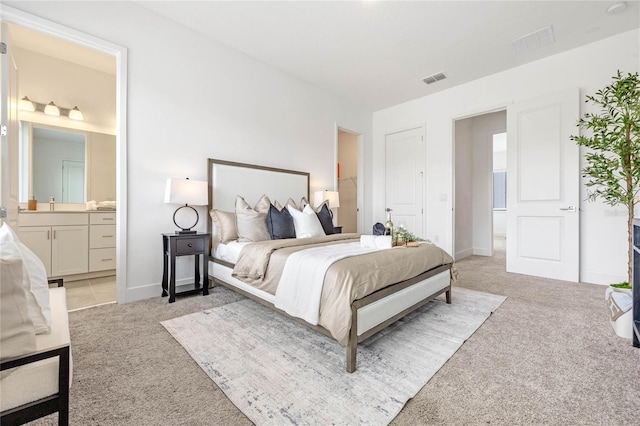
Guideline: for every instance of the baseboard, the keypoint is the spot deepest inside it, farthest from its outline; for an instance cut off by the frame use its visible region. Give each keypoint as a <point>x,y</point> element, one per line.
<point>604,278</point>
<point>463,253</point>
<point>154,290</point>
<point>478,251</point>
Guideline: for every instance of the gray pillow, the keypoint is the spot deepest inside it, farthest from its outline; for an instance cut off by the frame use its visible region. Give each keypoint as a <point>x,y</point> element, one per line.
<point>252,225</point>
<point>280,223</point>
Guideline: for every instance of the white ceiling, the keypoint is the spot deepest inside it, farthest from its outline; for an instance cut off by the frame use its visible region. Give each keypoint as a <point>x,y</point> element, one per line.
<point>376,53</point>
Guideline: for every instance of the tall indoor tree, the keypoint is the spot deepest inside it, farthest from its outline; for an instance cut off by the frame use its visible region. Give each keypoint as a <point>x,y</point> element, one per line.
<point>613,140</point>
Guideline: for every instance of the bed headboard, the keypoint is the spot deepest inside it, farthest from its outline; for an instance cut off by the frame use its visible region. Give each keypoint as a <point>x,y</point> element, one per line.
<point>228,179</point>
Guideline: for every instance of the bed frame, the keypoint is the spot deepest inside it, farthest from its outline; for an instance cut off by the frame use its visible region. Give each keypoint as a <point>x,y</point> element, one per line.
<point>369,314</point>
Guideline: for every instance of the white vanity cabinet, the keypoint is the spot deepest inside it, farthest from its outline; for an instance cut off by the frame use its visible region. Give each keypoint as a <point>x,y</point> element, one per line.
<point>102,241</point>
<point>60,240</point>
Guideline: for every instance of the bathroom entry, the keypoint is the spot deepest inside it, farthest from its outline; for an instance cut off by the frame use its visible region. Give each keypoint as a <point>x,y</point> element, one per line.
<point>347,175</point>
<point>474,214</point>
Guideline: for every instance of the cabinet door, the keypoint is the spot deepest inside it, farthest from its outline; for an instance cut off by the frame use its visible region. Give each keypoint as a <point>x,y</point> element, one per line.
<point>38,239</point>
<point>69,250</point>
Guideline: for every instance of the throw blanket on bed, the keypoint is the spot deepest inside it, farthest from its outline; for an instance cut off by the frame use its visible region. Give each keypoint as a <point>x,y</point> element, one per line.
<point>260,264</point>
<point>300,287</point>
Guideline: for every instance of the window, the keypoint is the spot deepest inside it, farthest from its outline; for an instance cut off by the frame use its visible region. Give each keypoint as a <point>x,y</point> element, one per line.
<point>499,190</point>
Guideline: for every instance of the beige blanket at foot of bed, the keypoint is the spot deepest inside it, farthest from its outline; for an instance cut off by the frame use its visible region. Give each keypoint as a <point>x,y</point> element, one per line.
<point>260,264</point>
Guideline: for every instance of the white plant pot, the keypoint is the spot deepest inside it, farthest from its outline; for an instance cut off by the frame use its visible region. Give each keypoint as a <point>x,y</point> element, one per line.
<point>623,324</point>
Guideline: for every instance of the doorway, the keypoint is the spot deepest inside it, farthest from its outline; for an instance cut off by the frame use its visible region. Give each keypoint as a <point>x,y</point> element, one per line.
<point>23,22</point>
<point>347,172</point>
<point>479,212</point>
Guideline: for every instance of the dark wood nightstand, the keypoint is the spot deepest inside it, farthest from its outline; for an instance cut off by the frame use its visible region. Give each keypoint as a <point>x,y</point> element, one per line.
<point>174,245</point>
<point>337,229</point>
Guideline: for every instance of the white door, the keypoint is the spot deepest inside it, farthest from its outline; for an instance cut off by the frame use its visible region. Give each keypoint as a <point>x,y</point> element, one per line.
<point>543,187</point>
<point>404,176</point>
<point>9,138</point>
<point>72,181</point>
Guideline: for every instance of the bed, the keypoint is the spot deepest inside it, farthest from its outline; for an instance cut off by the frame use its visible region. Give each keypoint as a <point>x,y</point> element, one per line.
<point>361,294</point>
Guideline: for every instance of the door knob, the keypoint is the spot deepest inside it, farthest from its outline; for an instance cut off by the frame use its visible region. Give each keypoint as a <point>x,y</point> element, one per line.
<point>570,208</point>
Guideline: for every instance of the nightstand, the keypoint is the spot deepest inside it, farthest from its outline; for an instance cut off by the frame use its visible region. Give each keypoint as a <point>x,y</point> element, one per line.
<point>337,229</point>
<point>174,245</point>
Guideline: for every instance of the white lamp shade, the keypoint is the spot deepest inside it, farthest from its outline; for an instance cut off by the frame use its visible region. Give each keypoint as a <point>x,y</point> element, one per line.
<point>25,104</point>
<point>186,191</point>
<point>52,109</point>
<point>75,114</point>
<point>320,196</point>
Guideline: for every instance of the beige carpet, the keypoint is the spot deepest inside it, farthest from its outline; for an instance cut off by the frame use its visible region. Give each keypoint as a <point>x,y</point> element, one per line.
<point>279,372</point>
<point>547,356</point>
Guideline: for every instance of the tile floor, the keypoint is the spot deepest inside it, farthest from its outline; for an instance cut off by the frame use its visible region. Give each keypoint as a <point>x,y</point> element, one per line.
<point>95,291</point>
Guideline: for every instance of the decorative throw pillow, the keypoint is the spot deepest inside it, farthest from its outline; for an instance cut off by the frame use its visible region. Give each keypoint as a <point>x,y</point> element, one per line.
<point>277,205</point>
<point>225,223</point>
<point>280,223</point>
<point>252,226</point>
<point>293,204</point>
<point>17,335</point>
<point>303,203</point>
<point>325,218</point>
<point>34,282</point>
<point>306,222</point>
<point>263,205</point>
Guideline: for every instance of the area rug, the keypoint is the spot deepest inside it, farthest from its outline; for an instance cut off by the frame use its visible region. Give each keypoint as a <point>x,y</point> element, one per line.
<point>277,371</point>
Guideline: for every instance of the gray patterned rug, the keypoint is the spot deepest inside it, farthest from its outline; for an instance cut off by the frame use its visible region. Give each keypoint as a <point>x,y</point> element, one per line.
<point>278,372</point>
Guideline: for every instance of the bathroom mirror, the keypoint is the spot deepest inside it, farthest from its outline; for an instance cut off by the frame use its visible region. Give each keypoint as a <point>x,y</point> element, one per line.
<point>73,166</point>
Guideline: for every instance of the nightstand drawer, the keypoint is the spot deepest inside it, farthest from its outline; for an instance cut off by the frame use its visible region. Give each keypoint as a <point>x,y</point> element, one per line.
<point>189,246</point>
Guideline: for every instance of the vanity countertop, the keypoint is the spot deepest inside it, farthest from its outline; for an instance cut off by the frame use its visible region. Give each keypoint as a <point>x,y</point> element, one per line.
<point>65,211</point>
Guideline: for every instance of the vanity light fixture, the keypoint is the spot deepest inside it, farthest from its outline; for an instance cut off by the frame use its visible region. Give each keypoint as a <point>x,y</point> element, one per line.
<point>52,109</point>
<point>26,104</point>
<point>75,113</point>
<point>188,193</point>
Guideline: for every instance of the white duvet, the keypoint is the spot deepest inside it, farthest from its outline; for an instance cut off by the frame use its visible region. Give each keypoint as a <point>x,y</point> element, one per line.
<point>300,287</point>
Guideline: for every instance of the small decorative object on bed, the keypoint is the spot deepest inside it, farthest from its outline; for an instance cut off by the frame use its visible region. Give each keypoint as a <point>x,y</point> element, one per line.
<point>342,285</point>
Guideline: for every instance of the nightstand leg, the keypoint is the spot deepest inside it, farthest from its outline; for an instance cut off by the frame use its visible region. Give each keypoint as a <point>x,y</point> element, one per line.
<point>197,271</point>
<point>165,265</point>
<point>172,281</point>
<point>205,277</point>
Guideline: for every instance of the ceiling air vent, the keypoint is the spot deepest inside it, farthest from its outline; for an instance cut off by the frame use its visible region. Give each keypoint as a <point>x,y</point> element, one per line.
<point>533,40</point>
<point>435,77</point>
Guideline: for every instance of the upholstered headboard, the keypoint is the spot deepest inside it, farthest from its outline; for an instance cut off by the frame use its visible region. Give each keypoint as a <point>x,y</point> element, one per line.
<point>228,179</point>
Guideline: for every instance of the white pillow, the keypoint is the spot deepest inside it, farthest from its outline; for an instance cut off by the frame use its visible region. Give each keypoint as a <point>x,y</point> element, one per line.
<point>17,336</point>
<point>306,222</point>
<point>34,281</point>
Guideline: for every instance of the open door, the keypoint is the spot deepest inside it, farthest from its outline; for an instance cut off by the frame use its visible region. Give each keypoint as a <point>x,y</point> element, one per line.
<point>543,192</point>
<point>9,131</point>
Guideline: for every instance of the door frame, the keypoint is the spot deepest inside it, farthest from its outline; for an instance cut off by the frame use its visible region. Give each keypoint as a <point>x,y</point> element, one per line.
<point>32,22</point>
<point>475,113</point>
<point>359,175</point>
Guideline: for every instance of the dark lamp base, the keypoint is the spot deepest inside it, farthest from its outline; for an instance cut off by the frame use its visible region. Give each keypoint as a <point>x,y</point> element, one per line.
<point>186,231</point>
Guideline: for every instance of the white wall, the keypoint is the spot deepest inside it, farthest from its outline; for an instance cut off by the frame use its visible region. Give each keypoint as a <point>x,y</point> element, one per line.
<point>603,234</point>
<point>189,99</point>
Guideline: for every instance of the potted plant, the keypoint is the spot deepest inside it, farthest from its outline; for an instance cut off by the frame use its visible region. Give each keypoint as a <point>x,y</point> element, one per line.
<point>613,155</point>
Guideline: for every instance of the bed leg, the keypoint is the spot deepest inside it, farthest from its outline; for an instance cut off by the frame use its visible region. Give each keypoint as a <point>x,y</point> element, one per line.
<point>352,351</point>
<point>352,344</point>
<point>448,294</point>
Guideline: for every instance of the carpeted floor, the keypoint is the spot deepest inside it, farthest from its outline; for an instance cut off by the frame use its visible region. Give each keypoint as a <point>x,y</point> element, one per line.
<point>547,356</point>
